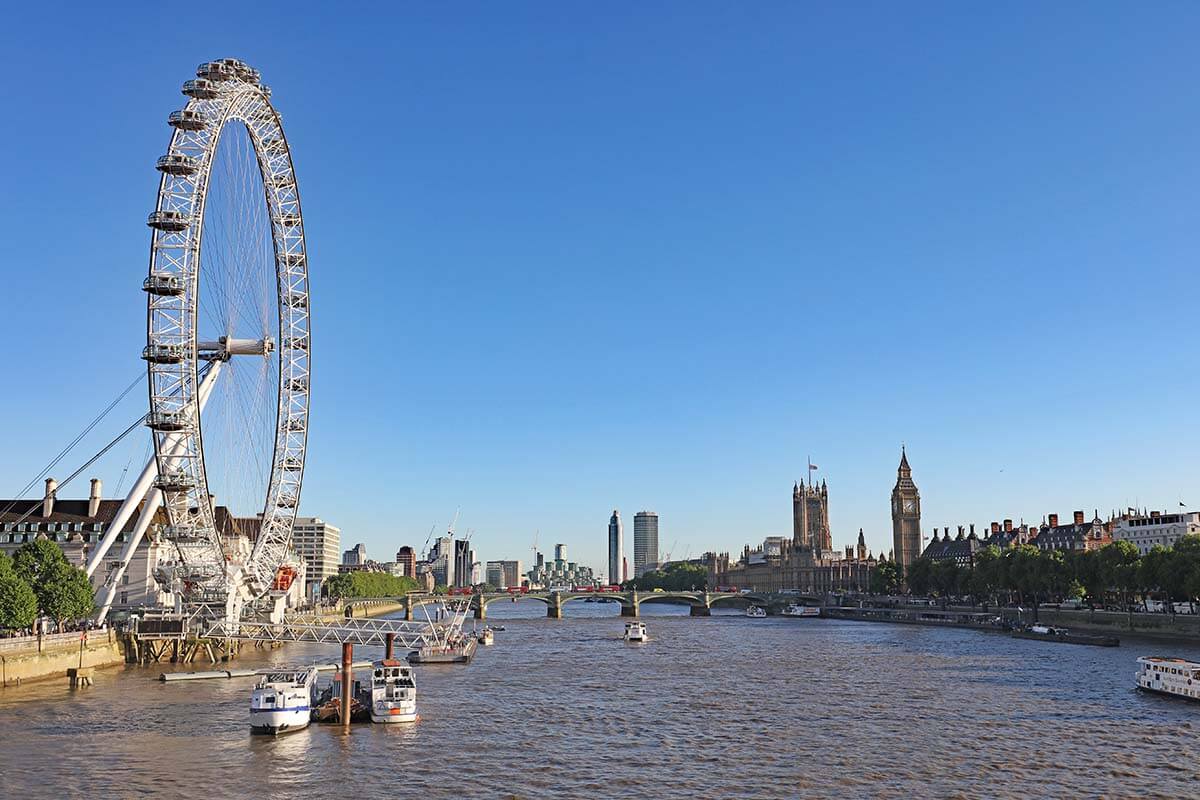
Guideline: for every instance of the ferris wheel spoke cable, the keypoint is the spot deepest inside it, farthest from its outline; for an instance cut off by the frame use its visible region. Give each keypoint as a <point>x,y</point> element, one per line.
<point>96,457</point>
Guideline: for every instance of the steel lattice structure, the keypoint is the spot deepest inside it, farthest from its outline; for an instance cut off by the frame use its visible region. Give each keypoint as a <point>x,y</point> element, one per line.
<point>226,93</point>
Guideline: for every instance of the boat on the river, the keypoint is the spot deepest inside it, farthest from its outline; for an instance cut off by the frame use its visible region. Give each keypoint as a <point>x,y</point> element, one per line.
<point>454,650</point>
<point>328,705</point>
<point>635,632</point>
<point>281,701</point>
<point>1048,633</point>
<point>756,611</point>
<point>486,637</point>
<point>393,692</point>
<point>802,611</point>
<point>1173,676</point>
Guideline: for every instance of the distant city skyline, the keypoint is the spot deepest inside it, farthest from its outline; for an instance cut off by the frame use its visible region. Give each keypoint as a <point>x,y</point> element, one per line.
<point>562,264</point>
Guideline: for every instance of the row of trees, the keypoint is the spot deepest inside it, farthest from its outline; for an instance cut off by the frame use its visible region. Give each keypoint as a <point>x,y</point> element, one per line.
<point>1026,574</point>
<point>38,581</point>
<point>368,584</point>
<point>675,577</point>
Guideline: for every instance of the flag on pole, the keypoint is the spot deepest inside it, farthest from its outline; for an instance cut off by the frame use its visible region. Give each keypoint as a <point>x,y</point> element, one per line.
<point>1182,504</point>
<point>812,466</point>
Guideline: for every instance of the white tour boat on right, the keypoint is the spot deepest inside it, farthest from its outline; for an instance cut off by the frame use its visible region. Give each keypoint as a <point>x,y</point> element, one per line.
<point>802,611</point>
<point>635,632</point>
<point>756,612</point>
<point>393,692</point>
<point>1172,676</point>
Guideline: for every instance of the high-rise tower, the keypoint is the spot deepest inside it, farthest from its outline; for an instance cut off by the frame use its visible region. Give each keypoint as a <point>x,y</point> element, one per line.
<point>645,542</point>
<point>616,547</point>
<point>810,517</point>
<point>906,516</point>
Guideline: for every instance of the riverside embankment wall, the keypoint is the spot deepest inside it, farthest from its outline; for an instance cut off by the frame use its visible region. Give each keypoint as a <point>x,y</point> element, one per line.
<point>1167,627</point>
<point>46,657</point>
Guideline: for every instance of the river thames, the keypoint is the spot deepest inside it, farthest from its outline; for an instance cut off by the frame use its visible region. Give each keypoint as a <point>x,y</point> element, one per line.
<point>718,707</point>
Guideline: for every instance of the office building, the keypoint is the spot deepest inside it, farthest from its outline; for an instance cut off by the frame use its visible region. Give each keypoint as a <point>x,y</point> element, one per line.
<point>645,542</point>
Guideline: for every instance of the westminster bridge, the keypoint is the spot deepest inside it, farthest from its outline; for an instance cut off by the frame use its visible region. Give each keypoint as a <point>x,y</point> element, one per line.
<point>700,603</point>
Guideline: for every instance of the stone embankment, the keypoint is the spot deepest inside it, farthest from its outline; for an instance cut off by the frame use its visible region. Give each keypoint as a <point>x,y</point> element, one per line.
<point>1166,627</point>
<point>34,658</point>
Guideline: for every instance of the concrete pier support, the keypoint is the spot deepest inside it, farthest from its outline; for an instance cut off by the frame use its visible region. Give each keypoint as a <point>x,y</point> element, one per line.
<point>480,608</point>
<point>629,611</point>
<point>554,607</point>
<point>701,611</point>
<point>408,609</point>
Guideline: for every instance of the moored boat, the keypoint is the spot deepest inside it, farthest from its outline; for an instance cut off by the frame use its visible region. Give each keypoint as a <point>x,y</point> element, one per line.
<point>802,611</point>
<point>1173,676</point>
<point>1047,633</point>
<point>635,632</point>
<point>281,702</point>
<point>393,692</point>
<point>456,650</point>
<point>756,611</point>
<point>329,701</point>
<point>486,637</point>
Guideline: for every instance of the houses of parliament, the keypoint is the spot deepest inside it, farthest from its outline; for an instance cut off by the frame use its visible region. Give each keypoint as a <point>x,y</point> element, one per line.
<point>807,561</point>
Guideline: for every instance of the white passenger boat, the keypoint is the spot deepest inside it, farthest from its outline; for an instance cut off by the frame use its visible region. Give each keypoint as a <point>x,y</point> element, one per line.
<point>1172,676</point>
<point>282,701</point>
<point>802,611</point>
<point>636,632</point>
<point>756,611</point>
<point>393,692</point>
<point>486,637</point>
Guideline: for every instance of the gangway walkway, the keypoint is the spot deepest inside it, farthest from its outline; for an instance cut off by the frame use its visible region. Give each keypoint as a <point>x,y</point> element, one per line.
<point>347,631</point>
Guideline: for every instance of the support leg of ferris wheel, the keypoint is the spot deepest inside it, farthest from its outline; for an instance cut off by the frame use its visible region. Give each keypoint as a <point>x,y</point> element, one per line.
<point>142,488</point>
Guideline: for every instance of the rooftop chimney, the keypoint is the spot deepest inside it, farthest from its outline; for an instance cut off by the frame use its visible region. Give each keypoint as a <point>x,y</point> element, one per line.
<point>995,527</point>
<point>1078,517</point>
<point>48,502</point>
<point>1008,526</point>
<point>94,498</point>
<point>1054,520</point>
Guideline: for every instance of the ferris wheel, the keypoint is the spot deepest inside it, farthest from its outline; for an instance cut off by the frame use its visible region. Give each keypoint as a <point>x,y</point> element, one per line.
<point>228,340</point>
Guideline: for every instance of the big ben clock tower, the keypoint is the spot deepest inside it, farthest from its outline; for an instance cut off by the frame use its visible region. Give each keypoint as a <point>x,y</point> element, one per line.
<point>906,515</point>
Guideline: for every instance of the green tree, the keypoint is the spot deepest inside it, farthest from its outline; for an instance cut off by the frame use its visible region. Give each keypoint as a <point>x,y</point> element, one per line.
<point>1022,571</point>
<point>63,591</point>
<point>18,603</point>
<point>68,594</point>
<point>920,576</point>
<point>675,577</point>
<point>987,573</point>
<point>1119,567</point>
<point>886,578</point>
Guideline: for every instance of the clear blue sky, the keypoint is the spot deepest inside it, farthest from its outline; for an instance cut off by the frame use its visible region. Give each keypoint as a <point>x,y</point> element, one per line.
<point>569,258</point>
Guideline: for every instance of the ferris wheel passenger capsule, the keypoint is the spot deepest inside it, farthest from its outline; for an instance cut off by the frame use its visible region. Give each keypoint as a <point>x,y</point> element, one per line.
<point>200,89</point>
<point>186,119</point>
<point>177,164</point>
<point>163,284</point>
<point>163,353</point>
<point>168,221</point>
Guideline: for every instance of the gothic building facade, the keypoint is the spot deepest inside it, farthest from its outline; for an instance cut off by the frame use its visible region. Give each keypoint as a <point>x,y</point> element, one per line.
<point>810,518</point>
<point>807,563</point>
<point>906,516</point>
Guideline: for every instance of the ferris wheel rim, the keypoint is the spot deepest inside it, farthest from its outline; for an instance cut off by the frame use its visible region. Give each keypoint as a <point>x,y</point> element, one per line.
<point>225,92</point>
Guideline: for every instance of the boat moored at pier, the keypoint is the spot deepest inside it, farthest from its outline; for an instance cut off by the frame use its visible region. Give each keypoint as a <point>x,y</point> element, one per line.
<point>1173,676</point>
<point>393,692</point>
<point>756,611</point>
<point>1047,633</point>
<point>802,611</point>
<point>281,701</point>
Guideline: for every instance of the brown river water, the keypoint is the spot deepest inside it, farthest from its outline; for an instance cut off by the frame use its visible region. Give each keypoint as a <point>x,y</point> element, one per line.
<point>720,707</point>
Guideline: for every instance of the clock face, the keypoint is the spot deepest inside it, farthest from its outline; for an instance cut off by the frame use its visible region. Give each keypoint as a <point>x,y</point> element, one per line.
<point>910,506</point>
